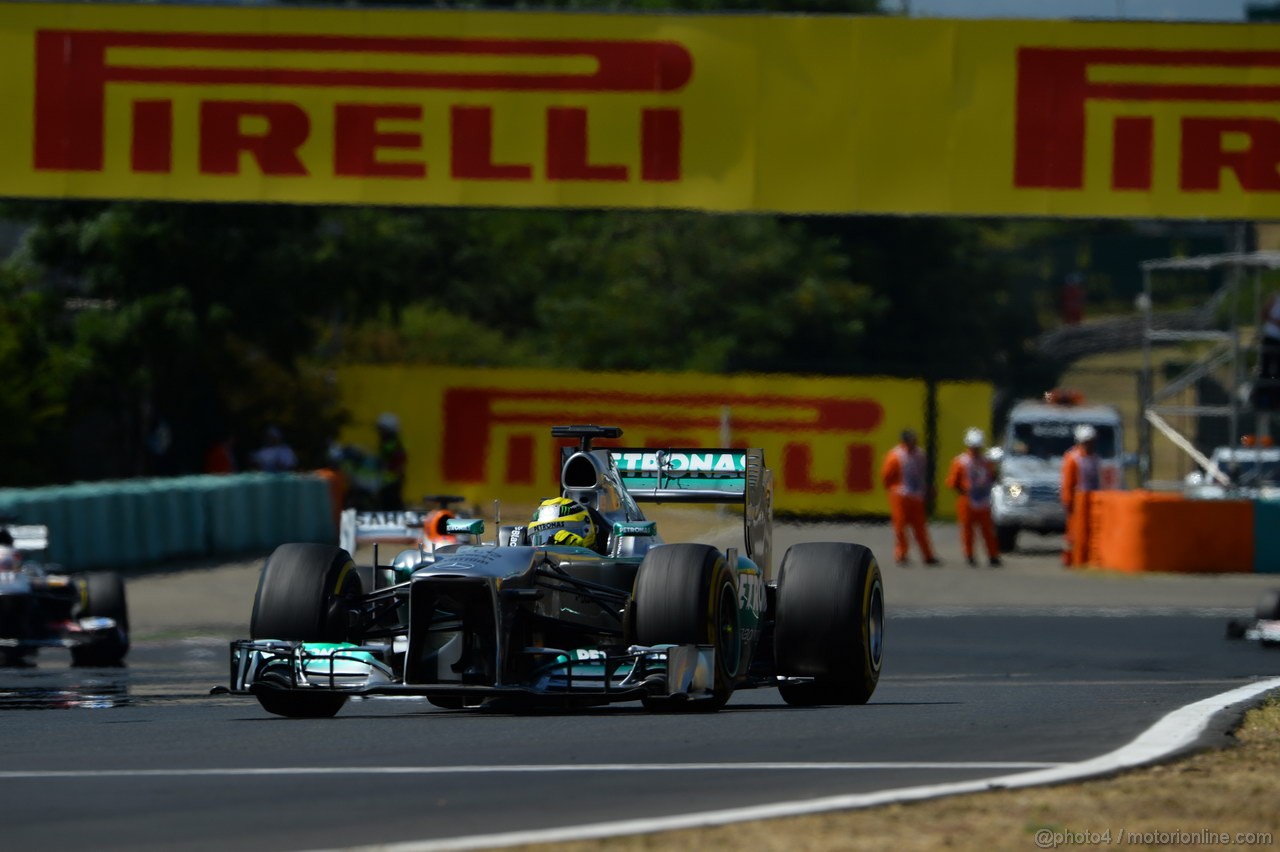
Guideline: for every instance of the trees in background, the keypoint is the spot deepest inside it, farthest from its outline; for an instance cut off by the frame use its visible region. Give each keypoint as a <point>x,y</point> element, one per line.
<point>135,335</point>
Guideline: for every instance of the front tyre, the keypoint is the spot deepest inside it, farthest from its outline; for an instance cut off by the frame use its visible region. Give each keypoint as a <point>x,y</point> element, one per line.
<point>1007,538</point>
<point>102,596</point>
<point>687,594</point>
<point>305,593</point>
<point>829,624</point>
<point>273,691</point>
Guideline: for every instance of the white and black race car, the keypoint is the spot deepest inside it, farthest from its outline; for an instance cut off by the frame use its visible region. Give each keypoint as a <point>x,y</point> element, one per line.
<point>1265,628</point>
<point>42,607</point>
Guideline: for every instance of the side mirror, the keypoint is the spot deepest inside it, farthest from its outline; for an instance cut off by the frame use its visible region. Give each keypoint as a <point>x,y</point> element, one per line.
<point>465,526</point>
<point>995,454</point>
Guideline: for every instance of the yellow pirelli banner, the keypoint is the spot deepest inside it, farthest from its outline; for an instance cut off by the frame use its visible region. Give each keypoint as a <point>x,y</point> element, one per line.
<point>486,434</point>
<point>721,113</point>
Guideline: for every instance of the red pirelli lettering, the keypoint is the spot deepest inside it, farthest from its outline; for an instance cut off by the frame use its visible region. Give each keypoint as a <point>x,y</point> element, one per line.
<point>567,149</point>
<point>224,137</point>
<point>73,72</point>
<point>152,148</point>
<point>472,148</point>
<point>472,414</point>
<point>358,137</point>
<point>1132,153</point>
<point>797,470</point>
<point>1205,155</point>
<point>660,131</point>
<point>1054,90</point>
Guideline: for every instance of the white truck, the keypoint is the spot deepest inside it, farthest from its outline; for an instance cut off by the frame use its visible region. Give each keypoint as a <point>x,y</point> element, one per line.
<point>1028,493</point>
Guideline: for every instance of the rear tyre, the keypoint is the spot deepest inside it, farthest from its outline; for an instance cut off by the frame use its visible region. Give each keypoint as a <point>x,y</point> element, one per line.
<point>1007,538</point>
<point>1269,606</point>
<point>687,594</point>
<point>305,594</point>
<point>829,624</point>
<point>102,596</point>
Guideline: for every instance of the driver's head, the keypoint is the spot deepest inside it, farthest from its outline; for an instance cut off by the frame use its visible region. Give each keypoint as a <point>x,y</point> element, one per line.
<point>560,520</point>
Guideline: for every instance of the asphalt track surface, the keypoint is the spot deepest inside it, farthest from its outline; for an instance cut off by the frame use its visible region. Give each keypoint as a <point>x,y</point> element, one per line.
<point>145,758</point>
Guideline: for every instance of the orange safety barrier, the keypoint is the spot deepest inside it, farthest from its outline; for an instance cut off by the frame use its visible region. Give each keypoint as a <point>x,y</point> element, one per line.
<point>1147,531</point>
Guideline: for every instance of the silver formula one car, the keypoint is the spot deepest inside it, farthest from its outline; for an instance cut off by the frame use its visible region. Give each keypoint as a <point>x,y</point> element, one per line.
<point>574,610</point>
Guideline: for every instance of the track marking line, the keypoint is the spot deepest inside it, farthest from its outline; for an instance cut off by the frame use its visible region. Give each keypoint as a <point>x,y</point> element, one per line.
<point>519,769</point>
<point>1177,730</point>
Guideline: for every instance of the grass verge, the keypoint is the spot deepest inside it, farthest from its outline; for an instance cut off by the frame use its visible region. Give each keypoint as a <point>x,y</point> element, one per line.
<point>1227,794</point>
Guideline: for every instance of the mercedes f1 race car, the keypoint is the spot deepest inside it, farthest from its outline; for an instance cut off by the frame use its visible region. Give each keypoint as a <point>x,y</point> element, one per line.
<point>583,606</point>
<point>41,607</point>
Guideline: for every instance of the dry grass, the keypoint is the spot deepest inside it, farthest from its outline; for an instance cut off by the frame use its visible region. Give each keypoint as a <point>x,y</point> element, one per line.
<point>1231,791</point>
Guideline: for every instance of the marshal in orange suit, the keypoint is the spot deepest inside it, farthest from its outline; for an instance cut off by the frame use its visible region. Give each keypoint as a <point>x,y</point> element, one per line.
<point>972,477</point>
<point>903,476</point>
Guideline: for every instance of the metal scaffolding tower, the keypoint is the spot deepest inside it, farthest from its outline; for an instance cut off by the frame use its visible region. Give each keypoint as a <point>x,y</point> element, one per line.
<point>1226,351</point>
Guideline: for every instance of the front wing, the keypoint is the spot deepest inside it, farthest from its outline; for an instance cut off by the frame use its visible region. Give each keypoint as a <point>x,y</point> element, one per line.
<point>576,676</point>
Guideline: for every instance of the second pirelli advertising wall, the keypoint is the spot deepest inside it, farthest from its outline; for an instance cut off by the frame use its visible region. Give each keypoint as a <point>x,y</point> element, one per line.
<point>486,434</point>
<point>721,113</point>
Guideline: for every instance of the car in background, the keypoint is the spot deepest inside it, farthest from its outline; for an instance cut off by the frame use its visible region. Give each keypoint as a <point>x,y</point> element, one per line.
<point>42,607</point>
<point>1242,471</point>
<point>422,528</point>
<point>519,620</point>
<point>1264,628</point>
<point>1028,492</point>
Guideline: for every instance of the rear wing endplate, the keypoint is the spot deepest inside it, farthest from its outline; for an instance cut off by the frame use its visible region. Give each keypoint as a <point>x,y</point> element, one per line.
<point>706,476</point>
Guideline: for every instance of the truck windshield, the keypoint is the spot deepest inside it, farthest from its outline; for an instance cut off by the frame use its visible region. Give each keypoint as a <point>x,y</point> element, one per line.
<point>1049,438</point>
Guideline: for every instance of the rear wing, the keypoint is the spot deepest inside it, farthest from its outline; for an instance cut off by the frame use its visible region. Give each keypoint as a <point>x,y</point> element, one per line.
<point>357,528</point>
<point>705,476</point>
<point>29,538</point>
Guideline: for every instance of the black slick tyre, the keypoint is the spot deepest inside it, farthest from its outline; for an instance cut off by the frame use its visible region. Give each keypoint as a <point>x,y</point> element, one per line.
<point>304,593</point>
<point>274,694</point>
<point>1269,606</point>
<point>687,594</point>
<point>829,625</point>
<point>102,596</point>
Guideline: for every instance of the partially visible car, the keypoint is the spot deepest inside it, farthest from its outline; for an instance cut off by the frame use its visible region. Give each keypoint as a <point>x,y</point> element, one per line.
<point>1264,628</point>
<point>422,528</point>
<point>1237,472</point>
<point>43,607</point>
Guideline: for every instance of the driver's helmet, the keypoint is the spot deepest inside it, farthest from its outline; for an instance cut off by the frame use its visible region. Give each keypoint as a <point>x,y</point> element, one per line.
<point>560,520</point>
